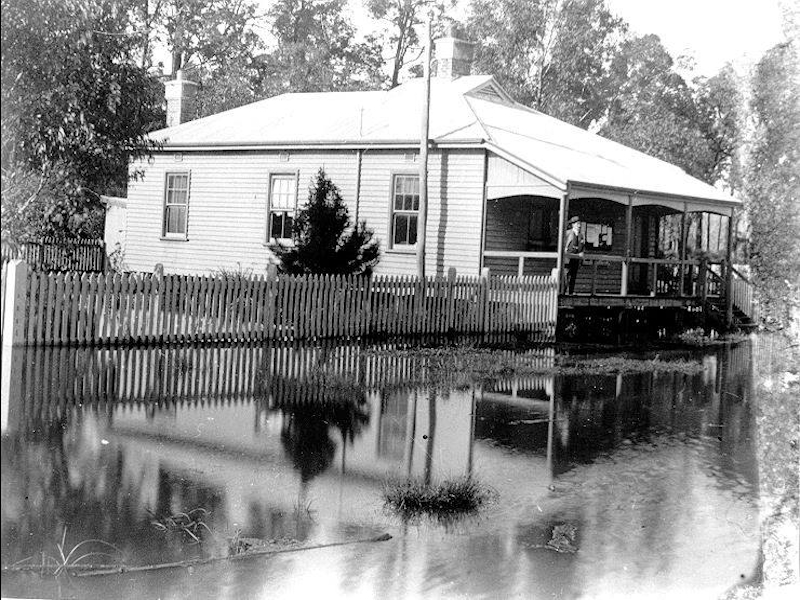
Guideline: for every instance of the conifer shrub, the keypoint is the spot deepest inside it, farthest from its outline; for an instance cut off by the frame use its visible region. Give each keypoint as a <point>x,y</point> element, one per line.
<point>324,239</point>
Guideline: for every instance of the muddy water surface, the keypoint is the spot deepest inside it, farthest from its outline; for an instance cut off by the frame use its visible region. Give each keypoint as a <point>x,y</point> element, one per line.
<point>637,485</point>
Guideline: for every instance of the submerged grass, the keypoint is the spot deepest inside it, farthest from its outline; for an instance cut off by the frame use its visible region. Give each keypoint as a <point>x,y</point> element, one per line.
<point>69,559</point>
<point>698,338</point>
<point>613,365</point>
<point>190,523</point>
<point>411,498</point>
<point>452,366</point>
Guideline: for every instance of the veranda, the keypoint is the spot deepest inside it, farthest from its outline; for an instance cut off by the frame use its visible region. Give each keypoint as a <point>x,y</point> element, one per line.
<point>641,251</point>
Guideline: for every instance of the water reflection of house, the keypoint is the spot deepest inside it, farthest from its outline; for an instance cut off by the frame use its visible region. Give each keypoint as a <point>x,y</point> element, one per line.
<point>596,414</point>
<point>266,426</point>
<point>211,430</point>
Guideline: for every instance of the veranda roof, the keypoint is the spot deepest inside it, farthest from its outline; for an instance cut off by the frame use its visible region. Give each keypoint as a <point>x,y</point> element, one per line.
<point>469,111</point>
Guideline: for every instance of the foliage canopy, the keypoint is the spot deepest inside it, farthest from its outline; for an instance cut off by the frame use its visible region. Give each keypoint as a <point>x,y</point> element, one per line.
<point>772,181</point>
<point>75,107</point>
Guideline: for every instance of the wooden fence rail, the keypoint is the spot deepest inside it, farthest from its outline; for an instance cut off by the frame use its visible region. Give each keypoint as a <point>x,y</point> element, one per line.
<point>84,308</point>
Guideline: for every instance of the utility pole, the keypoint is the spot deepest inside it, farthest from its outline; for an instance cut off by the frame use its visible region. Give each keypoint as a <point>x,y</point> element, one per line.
<point>423,154</point>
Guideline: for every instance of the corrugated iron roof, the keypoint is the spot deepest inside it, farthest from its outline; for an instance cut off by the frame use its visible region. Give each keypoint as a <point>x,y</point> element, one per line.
<point>337,118</point>
<point>461,112</point>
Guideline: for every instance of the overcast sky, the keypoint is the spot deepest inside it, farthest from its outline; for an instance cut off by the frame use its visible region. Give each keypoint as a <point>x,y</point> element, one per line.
<point>713,32</point>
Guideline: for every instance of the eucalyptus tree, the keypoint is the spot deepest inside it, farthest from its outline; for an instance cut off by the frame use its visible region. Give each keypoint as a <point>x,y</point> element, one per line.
<point>76,105</point>
<point>552,55</point>
<point>316,49</point>
<point>652,108</point>
<point>402,21</point>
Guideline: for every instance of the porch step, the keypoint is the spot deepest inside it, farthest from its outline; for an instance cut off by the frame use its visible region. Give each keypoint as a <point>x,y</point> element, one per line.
<point>715,310</point>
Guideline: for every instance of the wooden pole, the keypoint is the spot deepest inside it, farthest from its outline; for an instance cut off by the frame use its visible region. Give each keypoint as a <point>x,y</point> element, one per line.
<point>563,210</point>
<point>359,160</point>
<point>628,250</point>
<point>484,209</point>
<point>423,154</point>
<point>729,275</point>
<point>682,252</point>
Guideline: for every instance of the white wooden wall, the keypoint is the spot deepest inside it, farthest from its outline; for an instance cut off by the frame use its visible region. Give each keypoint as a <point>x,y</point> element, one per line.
<point>228,203</point>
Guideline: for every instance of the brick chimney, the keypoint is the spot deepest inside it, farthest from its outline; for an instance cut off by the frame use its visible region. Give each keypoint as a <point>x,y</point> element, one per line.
<point>180,95</point>
<point>453,55</point>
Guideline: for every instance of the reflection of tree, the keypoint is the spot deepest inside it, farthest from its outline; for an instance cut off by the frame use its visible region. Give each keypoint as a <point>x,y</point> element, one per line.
<point>305,439</point>
<point>311,408</point>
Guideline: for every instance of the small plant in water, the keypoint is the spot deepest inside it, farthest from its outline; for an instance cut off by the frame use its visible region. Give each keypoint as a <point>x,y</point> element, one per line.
<point>189,523</point>
<point>303,510</point>
<point>72,558</point>
<point>412,498</point>
<point>697,337</point>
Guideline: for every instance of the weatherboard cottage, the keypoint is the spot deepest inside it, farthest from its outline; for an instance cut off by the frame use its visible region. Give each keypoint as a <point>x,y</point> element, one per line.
<point>503,181</point>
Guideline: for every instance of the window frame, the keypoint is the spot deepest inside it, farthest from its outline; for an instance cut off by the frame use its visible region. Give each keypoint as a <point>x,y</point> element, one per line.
<point>295,176</point>
<point>167,235</point>
<point>395,247</point>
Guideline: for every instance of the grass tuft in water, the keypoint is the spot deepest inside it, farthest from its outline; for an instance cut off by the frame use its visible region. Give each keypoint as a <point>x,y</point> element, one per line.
<point>457,367</point>
<point>69,559</point>
<point>612,365</point>
<point>412,497</point>
<point>697,338</point>
<point>190,523</point>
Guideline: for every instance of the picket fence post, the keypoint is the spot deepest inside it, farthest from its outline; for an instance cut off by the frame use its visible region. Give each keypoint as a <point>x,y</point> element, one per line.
<point>484,300</point>
<point>14,303</point>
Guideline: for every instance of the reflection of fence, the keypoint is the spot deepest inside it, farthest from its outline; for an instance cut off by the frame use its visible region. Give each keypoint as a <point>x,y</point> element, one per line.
<point>46,382</point>
<point>70,308</point>
<point>52,254</point>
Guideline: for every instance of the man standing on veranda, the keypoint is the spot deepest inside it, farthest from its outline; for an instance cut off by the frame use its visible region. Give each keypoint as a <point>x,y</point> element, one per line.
<point>574,245</point>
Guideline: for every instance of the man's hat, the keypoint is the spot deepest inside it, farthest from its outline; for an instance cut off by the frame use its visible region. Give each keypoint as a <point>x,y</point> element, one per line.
<point>573,220</point>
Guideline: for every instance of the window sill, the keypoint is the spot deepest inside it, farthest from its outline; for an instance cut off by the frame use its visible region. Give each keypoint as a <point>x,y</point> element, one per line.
<point>165,238</point>
<point>409,250</point>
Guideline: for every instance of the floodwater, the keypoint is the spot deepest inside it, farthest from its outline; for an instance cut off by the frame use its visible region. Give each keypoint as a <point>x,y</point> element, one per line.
<point>653,475</point>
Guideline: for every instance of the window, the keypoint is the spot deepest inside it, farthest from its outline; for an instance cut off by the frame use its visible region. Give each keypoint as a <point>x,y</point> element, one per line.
<point>599,236</point>
<point>405,210</point>
<point>176,204</point>
<point>282,205</point>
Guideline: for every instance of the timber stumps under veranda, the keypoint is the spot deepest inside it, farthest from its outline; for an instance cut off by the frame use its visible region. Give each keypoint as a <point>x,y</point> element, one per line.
<point>602,320</point>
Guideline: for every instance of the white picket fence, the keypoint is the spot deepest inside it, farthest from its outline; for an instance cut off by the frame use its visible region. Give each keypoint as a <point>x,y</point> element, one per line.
<point>89,308</point>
